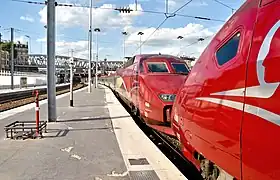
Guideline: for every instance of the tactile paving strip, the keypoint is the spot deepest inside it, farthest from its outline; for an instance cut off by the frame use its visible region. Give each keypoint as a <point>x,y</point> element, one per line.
<point>143,175</point>
<point>140,161</point>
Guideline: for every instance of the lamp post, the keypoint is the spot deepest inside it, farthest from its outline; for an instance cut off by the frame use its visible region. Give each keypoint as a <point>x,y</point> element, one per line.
<point>42,47</point>
<point>29,43</point>
<point>124,34</point>
<point>71,78</point>
<point>90,47</point>
<point>180,38</point>
<point>140,34</point>
<point>96,68</point>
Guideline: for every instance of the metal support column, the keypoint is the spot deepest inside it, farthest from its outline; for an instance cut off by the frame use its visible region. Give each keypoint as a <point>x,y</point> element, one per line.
<point>90,46</point>
<point>123,49</point>
<point>166,6</point>
<point>12,58</point>
<point>1,51</point>
<point>96,61</point>
<point>140,45</point>
<point>51,85</point>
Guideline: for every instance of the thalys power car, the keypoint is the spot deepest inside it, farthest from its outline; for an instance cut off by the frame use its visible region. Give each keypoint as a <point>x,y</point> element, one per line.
<point>227,114</point>
<point>148,83</point>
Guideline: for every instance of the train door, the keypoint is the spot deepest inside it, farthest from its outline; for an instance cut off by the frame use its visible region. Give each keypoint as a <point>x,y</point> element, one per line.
<point>261,123</point>
<point>135,85</point>
<point>126,78</point>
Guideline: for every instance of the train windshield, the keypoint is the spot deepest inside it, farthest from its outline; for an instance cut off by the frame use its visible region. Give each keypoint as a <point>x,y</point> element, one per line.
<point>180,68</point>
<point>157,67</point>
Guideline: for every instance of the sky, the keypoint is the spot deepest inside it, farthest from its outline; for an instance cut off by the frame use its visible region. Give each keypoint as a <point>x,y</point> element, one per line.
<point>72,24</point>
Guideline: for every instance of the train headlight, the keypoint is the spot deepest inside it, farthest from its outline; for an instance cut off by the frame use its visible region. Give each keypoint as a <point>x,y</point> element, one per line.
<point>167,97</point>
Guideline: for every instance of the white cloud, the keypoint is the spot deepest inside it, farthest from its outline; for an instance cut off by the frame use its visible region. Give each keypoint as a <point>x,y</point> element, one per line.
<point>168,36</point>
<point>103,17</point>
<point>27,18</point>
<point>165,40</point>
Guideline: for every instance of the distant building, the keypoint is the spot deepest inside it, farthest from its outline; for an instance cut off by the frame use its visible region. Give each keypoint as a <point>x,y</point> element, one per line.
<point>4,59</point>
<point>21,54</point>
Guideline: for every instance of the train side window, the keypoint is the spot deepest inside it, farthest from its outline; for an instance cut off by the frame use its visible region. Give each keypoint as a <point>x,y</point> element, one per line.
<point>228,50</point>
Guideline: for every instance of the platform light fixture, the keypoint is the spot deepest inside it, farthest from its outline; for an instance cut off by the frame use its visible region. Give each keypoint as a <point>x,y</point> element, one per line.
<point>124,34</point>
<point>97,30</point>
<point>140,34</point>
<point>180,39</point>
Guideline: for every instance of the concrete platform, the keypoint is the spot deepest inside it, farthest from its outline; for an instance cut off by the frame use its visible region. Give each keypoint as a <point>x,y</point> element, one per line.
<point>94,140</point>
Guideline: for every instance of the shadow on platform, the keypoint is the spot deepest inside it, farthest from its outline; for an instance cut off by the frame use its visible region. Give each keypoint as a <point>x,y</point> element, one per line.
<point>53,133</point>
<point>95,105</point>
<point>92,119</point>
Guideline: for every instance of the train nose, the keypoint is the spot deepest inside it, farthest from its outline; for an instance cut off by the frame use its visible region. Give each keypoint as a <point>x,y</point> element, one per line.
<point>166,86</point>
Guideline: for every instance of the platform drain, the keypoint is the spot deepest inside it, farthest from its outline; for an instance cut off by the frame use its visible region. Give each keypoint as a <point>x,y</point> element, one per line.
<point>143,175</point>
<point>140,161</point>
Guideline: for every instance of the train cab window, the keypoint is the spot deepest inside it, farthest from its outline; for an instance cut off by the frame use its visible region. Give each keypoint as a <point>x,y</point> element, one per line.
<point>129,62</point>
<point>180,68</point>
<point>141,67</point>
<point>157,67</point>
<point>228,50</point>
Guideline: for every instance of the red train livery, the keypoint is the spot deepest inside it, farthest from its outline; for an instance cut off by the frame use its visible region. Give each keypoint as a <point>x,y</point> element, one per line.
<point>148,83</point>
<point>227,114</point>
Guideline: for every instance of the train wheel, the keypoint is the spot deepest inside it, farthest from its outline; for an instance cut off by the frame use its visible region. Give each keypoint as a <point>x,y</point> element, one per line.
<point>134,110</point>
<point>210,171</point>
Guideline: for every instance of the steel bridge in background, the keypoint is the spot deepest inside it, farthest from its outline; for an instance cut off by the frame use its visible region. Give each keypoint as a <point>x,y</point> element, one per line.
<point>62,62</point>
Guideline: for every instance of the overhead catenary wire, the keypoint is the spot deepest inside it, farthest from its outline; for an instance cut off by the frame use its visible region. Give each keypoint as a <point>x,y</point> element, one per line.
<point>165,19</point>
<point>197,41</point>
<point>225,5</point>
<point>111,8</point>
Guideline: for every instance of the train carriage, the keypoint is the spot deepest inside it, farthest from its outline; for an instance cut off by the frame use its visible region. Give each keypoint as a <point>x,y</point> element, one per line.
<point>227,115</point>
<point>148,83</point>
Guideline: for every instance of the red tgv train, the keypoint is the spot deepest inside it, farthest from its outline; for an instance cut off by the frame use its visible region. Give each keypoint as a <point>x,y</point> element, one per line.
<point>148,83</point>
<point>227,113</point>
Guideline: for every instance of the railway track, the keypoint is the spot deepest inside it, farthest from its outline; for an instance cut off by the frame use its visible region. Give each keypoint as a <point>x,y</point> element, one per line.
<point>168,146</point>
<point>15,99</point>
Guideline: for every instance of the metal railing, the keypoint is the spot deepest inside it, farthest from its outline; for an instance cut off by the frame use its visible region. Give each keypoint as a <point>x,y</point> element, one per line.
<point>8,73</point>
<point>16,73</point>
